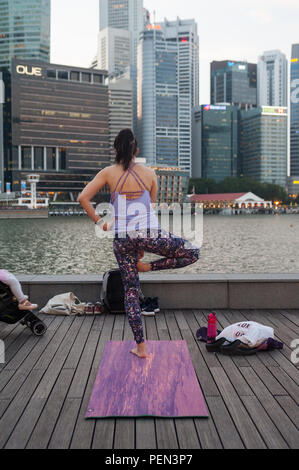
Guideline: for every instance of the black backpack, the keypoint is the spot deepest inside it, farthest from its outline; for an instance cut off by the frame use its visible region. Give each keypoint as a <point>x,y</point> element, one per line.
<point>112,293</point>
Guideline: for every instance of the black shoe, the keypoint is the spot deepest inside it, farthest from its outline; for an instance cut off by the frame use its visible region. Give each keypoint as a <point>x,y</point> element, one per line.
<point>155,304</point>
<point>147,307</point>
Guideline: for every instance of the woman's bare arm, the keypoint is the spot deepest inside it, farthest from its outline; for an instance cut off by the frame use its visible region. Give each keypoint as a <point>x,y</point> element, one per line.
<point>90,191</point>
<point>154,189</point>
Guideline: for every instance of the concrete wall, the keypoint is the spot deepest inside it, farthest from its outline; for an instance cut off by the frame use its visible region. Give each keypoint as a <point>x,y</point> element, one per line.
<point>177,291</point>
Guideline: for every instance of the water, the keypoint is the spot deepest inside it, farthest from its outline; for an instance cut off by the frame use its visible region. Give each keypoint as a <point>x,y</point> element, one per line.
<point>240,244</point>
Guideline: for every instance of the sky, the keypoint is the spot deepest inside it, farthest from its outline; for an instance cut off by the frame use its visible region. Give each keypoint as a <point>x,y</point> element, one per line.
<point>231,29</point>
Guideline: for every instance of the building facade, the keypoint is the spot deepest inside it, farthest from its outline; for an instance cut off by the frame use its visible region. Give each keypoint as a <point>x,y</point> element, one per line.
<point>294,112</point>
<point>173,185</point>
<point>215,149</point>
<point>24,30</point>
<point>120,108</point>
<point>2,101</point>
<point>114,51</point>
<point>127,15</point>
<point>168,88</point>
<point>158,128</point>
<point>263,144</point>
<point>57,125</point>
<point>234,83</point>
<point>272,79</point>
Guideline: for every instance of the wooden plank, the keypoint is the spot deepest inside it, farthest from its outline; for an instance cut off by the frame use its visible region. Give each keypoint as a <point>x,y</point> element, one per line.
<point>63,432</point>
<point>166,437</point>
<point>77,348</point>
<point>84,429</point>
<point>3,405</point>
<point>199,356</point>
<point>17,406</point>
<point>104,428</point>
<point>286,383</point>
<point>31,414</point>
<point>277,415</point>
<point>187,434</point>
<point>229,436</point>
<point>292,315</point>
<point>267,376</point>
<point>290,407</point>
<point>43,428</point>
<point>267,429</point>
<point>46,346</point>
<point>145,428</point>
<point>241,418</point>
<point>49,378</point>
<point>124,437</point>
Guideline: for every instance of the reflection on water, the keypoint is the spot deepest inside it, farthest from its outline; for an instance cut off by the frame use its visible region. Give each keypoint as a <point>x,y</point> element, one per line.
<point>244,244</point>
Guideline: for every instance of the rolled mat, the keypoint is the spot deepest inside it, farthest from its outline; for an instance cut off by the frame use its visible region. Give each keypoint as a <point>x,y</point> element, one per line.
<point>163,386</point>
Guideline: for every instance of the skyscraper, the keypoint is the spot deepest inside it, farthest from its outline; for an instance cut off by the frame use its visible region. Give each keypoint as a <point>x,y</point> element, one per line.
<point>158,128</point>
<point>215,142</point>
<point>114,51</point>
<point>120,108</point>
<point>272,79</point>
<point>168,88</point>
<point>234,83</point>
<point>24,30</point>
<point>294,151</point>
<point>263,144</point>
<point>128,15</point>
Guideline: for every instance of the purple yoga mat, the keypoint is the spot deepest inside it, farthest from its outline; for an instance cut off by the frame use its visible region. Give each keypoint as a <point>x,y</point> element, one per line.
<point>163,386</point>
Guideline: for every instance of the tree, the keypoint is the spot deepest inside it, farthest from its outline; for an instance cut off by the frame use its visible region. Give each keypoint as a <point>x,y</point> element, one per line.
<point>267,191</point>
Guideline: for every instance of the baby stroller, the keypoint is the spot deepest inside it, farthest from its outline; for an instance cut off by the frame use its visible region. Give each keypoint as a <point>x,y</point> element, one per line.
<point>10,313</point>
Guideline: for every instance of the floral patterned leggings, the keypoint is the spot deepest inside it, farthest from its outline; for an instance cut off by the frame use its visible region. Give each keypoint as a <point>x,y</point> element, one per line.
<point>176,254</point>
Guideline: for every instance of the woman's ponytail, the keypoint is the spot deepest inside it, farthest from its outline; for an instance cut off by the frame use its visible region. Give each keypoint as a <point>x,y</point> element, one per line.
<point>125,146</point>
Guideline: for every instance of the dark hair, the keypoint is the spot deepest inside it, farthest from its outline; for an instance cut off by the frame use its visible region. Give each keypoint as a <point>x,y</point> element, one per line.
<point>125,145</point>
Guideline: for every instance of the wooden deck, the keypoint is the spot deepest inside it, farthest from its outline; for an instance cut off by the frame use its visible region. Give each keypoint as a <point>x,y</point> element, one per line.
<point>46,383</point>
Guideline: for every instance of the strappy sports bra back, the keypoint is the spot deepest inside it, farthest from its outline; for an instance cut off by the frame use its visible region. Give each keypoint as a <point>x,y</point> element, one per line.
<point>132,195</point>
<point>133,209</point>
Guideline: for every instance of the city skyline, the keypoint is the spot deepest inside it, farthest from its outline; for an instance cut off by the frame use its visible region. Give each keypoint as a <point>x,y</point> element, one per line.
<point>272,21</point>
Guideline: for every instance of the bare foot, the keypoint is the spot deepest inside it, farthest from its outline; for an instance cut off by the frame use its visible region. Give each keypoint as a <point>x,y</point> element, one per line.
<point>140,255</point>
<point>143,267</point>
<point>140,351</point>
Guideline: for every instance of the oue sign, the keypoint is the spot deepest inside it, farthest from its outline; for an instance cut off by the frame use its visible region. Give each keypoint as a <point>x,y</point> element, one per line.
<point>27,70</point>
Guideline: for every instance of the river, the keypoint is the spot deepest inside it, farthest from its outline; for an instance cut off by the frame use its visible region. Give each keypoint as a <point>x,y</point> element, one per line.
<point>68,245</point>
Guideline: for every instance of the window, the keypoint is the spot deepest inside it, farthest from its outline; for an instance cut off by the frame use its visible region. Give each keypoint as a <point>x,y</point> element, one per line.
<point>26,158</point>
<point>86,77</point>
<point>98,79</point>
<point>75,76</point>
<point>62,75</point>
<point>62,158</point>
<point>51,73</point>
<point>51,158</point>
<point>15,158</point>
<point>38,158</point>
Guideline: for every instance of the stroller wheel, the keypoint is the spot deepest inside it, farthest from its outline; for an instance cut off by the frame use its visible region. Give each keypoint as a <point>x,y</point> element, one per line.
<point>38,328</point>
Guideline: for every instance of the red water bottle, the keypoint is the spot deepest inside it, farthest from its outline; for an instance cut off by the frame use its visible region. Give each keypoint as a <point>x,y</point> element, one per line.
<point>212,328</point>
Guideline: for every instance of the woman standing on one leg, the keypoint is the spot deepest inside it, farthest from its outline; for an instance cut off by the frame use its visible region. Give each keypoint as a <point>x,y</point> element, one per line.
<point>134,188</point>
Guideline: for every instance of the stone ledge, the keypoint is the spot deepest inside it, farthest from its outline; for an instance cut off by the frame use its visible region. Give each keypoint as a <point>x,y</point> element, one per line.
<point>181,291</point>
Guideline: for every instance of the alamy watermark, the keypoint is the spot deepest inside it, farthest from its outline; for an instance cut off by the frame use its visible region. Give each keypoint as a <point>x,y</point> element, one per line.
<point>181,220</point>
<point>2,352</point>
<point>295,353</point>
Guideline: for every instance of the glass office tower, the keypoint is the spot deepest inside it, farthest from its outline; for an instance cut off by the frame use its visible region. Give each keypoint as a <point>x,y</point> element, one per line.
<point>127,15</point>
<point>215,142</point>
<point>295,111</point>
<point>158,131</point>
<point>263,144</point>
<point>24,30</point>
<point>234,83</point>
